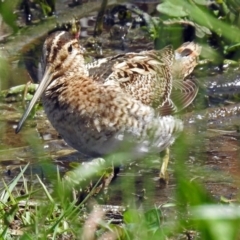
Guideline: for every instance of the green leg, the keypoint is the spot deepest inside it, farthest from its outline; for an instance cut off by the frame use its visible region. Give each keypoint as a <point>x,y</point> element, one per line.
<point>163,175</point>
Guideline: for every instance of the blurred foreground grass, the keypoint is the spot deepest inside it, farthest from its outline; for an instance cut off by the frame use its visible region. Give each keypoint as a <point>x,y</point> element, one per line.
<point>50,207</point>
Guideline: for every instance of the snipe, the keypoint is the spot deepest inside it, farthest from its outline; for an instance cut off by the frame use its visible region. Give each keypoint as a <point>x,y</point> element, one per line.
<point>104,111</point>
<point>157,78</point>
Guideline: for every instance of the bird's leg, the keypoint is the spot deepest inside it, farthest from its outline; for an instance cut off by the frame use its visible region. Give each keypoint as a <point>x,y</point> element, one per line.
<point>163,175</point>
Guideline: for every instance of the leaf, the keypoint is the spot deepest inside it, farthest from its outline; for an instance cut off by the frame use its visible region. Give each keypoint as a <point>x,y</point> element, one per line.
<point>201,31</point>
<point>131,216</point>
<point>201,2</point>
<point>172,10</point>
<point>153,217</point>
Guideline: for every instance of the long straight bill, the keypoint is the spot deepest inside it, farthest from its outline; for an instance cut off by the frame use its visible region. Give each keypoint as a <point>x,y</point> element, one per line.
<point>41,88</point>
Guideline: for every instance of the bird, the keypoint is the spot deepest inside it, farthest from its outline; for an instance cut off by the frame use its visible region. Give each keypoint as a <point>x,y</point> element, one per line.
<point>158,78</point>
<point>92,110</point>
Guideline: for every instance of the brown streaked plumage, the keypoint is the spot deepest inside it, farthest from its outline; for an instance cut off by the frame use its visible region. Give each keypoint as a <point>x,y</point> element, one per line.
<point>98,117</point>
<point>157,78</point>
<point>145,76</point>
<point>104,106</point>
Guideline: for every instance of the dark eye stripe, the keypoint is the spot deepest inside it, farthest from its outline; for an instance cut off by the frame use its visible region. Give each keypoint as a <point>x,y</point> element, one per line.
<point>70,49</point>
<point>57,42</point>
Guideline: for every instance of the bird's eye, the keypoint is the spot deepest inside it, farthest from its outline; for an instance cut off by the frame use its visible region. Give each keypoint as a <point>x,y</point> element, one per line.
<point>70,49</point>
